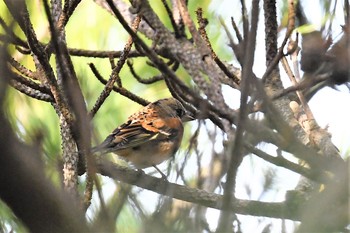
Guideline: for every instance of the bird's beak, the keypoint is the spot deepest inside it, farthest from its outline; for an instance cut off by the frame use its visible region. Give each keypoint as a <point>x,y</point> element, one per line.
<point>187,117</point>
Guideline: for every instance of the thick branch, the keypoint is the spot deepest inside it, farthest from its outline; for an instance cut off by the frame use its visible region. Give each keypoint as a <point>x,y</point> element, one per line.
<point>193,195</point>
<point>23,186</point>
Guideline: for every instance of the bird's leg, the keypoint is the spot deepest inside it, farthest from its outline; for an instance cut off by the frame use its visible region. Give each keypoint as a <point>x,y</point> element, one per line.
<point>140,172</point>
<point>163,176</point>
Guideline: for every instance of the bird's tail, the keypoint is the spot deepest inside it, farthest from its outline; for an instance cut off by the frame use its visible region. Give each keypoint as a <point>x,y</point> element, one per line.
<point>95,150</point>
<point>104,148</point>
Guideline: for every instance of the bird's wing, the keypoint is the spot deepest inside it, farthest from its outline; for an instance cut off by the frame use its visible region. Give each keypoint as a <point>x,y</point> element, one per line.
<point>136,132</point>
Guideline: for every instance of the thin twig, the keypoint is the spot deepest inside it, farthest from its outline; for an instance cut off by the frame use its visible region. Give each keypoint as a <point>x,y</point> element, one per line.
<point>40,88</point>
<point>142,80</point>
<point>303,85</point>
<point>34,93</point>
<point>119,90</point>
<point>282,162</point>
<point>235,28</point>
<point>15,39</point>
<point>301,97</point>
<point>279,54</point>
<point>172,20</point>
<point>245,20</point>
<point>115,72</point>
<point>101,54</point>
<point>202,23</point>
<point>234,151</point>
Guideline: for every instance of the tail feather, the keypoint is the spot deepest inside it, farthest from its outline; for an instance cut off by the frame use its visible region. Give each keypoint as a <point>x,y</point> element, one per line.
<point>105,147</point>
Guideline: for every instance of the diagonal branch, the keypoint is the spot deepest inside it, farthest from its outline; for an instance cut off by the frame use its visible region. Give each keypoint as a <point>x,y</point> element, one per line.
<point>193,195</point>
<point>115,72</point>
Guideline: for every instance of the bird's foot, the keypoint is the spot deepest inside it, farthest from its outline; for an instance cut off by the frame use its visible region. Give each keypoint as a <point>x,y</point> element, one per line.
<point>164,177</point>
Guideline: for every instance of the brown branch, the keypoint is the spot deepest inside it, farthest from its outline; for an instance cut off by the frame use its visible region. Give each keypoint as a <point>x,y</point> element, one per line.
<point>282,162</point>
<point>60,18</point>
<point>142,80</point>
<point>245,20</point>
<point>10,36</point>
<point>33,85</point>
<point>101,54</point>
<point>115,72</point>
<point>120,90</point>
<point>23,184</point>
<point>293,134</point>
<point>273,63</point>
<point>198,59</point>
<point>21,15</point>
<point>202,23</point>
<point>128,15</point>
<point>222,112</point>
<point>66,13</point>
<point>235,28</point>
<point>76,130</point>
<point>314,128</point>
<point>193,195</point>
<point>88,194</point>
<point>301,97</point>
<point>172,20</point>
<point>271,26</point>
<point>237,48</point>
<point>29,91</point>
<point>23,70</point>
<point>234,150</point>
<point>305,84</point>
<point>61,104</point>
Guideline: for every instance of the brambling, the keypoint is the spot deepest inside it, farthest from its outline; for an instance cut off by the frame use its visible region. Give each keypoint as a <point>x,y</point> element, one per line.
<point>150,136</point>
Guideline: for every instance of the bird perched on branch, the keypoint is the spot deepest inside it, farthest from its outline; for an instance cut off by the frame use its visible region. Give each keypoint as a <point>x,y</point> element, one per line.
<point>149,136</point>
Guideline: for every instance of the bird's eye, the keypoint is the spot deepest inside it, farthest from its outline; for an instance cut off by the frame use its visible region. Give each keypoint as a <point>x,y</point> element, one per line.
<point>180,112</point>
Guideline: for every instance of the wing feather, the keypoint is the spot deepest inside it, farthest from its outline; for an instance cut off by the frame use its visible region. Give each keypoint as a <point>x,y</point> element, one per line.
<point>140,128</point>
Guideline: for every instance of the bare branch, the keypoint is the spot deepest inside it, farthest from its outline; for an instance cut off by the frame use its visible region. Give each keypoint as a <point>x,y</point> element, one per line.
<point>193,195</point>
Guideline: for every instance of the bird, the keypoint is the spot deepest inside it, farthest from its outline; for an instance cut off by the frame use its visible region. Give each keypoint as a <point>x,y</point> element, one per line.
<point>149,136</point>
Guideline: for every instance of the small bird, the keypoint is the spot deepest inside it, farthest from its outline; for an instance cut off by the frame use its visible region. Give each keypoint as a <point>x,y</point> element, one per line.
<point>149,136</point>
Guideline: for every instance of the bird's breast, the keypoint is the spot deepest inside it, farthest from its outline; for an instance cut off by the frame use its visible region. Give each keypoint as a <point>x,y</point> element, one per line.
<point>149,154</point>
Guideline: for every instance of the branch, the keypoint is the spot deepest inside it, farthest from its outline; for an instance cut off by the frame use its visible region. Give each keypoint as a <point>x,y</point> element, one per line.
<point>120,90</point>
<point>101,54</point>
<point>193,195</point>
<point>128,15</point>
<point>232,76</point>
<point>273,63</point>
<point>24,188</point>
<point>282,162</point>
<point>115,72</point>
<point>23,185</point>
<point>196,59</point>
<point>21,15</point>
<point>31,92</point>
<point>177,48</point>
<point>234,151</point>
